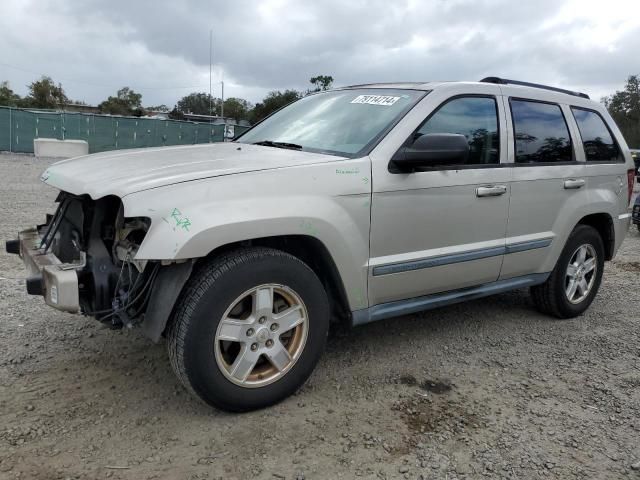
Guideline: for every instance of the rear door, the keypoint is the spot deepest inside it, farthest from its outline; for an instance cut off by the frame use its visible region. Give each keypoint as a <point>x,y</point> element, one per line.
<point>548,183</point>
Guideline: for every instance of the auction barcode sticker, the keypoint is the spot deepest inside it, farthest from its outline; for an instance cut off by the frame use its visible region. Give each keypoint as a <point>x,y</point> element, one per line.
<point>376,100</point>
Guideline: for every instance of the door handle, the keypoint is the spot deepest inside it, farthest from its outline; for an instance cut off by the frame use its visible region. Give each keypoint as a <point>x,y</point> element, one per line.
<point>573,183</point>
<point>491,191</point>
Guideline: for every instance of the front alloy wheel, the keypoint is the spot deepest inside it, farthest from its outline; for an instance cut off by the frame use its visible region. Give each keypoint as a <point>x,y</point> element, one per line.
<point>248,329</point>
<point>261,335</point>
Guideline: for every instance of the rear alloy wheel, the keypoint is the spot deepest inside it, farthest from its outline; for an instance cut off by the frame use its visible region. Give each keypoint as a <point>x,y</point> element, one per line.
<point>581,273</point>
<point>249,328</point>
<point>574,282</point>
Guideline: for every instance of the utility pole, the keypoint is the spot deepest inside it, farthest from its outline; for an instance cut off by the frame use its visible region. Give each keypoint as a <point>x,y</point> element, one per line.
<point>222,104</point>
<point>210,71</point>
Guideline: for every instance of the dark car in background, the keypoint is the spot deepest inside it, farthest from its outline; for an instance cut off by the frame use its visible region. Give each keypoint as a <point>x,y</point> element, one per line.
<point>635,153</point>
<point>635,215</point>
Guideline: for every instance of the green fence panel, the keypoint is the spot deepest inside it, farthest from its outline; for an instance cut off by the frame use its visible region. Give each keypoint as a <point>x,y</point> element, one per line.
<point>24,128</point>
<point>203,133</point>
<point>48,125</point>
<point>145,133</point>
<point>186,134</point>
<point>76,126</point>
<point>218,133</point>
<point>178,133</point>
<point>240,129</point>
<point>126,132</point>
<point>18,128</point>
<point>169,134</point>
<point>102,134</point>
<point>5,133</point>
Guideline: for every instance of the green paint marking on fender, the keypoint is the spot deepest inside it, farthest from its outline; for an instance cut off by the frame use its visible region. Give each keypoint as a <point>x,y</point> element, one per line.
<point>180,220</point>
<point>347,171</point>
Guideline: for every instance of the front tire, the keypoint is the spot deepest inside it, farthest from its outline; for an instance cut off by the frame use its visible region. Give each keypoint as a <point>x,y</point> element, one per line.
<point>248,329</point>
<point>575,280</point>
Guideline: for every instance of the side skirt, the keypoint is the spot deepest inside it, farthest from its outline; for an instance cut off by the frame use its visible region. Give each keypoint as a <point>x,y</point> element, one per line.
<point>427,302</point>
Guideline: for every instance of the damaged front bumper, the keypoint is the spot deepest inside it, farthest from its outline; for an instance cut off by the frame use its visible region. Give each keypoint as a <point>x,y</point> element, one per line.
<point>56,281</point>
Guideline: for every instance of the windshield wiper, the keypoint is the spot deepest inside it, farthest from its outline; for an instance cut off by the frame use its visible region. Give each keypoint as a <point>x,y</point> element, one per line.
<point>271,143</point>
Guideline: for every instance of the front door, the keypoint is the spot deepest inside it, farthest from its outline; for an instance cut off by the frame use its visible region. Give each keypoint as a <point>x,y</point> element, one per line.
<point>443,228</point>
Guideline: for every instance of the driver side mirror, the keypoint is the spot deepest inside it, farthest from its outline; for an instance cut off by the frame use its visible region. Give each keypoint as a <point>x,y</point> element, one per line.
<point>432,150</point>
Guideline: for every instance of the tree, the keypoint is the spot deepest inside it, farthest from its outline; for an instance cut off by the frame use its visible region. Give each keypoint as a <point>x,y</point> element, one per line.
<point>158,108</point>
<point>273,101</point>
<point>176,114</point>
<point>321,82</point>
<point>44,93</point>
<point>237,108</point>
<point>624,107</point>
<point>198,103</point>
<point>126,102</point>
<point>8,97</point>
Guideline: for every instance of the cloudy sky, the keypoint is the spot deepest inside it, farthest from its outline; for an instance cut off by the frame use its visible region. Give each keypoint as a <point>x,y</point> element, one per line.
<point>161,47</point>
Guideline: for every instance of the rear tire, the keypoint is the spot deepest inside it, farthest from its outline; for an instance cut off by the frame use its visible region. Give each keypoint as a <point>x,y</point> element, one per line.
<point>574,282</point>
<point>249,328</point>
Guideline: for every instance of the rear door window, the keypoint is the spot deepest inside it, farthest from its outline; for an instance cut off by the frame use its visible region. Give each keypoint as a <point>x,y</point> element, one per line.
<point>541,133</point>
<point>598,143</point>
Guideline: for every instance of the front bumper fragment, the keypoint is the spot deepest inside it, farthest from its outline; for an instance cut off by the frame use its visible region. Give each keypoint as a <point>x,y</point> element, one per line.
<point>57,282</point>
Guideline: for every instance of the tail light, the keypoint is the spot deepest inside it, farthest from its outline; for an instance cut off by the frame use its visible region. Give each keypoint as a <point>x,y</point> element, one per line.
<point>631,176</point>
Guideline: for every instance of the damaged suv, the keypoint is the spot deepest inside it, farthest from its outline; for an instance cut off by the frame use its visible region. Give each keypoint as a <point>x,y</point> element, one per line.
<point>355,205</point>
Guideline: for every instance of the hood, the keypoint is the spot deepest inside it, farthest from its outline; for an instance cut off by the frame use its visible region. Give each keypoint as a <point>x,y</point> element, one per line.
<point>122,172</point>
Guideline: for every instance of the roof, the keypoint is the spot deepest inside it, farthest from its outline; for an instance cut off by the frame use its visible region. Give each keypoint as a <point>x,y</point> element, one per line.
<point>517,84</point>
<point>398,85</point>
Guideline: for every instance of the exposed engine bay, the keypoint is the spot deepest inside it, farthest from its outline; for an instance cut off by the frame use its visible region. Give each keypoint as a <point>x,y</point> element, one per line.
<point>94,236</point>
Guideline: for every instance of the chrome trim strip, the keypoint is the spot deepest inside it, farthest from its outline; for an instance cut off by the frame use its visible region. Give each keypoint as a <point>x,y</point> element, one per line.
<point>415,256</point>
<point>449,259</point>
<point>437,261</point>
<point>530,245</point>
<point>427,302</point>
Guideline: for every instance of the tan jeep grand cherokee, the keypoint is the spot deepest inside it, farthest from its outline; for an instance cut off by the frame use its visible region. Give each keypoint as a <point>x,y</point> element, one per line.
<point>355,204</point>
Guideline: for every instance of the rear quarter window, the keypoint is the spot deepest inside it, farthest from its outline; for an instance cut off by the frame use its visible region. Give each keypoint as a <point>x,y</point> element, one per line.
<point>597,140</point>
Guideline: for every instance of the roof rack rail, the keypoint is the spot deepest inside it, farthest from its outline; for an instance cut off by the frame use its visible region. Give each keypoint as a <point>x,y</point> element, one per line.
<point>381,84</point>
<point>505,81</point>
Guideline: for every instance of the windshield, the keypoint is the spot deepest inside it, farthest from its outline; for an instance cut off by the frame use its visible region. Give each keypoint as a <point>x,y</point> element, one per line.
<point>340,122</point>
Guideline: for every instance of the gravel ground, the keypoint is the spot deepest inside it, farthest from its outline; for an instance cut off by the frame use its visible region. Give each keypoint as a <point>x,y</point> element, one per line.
<point>486,389</point>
